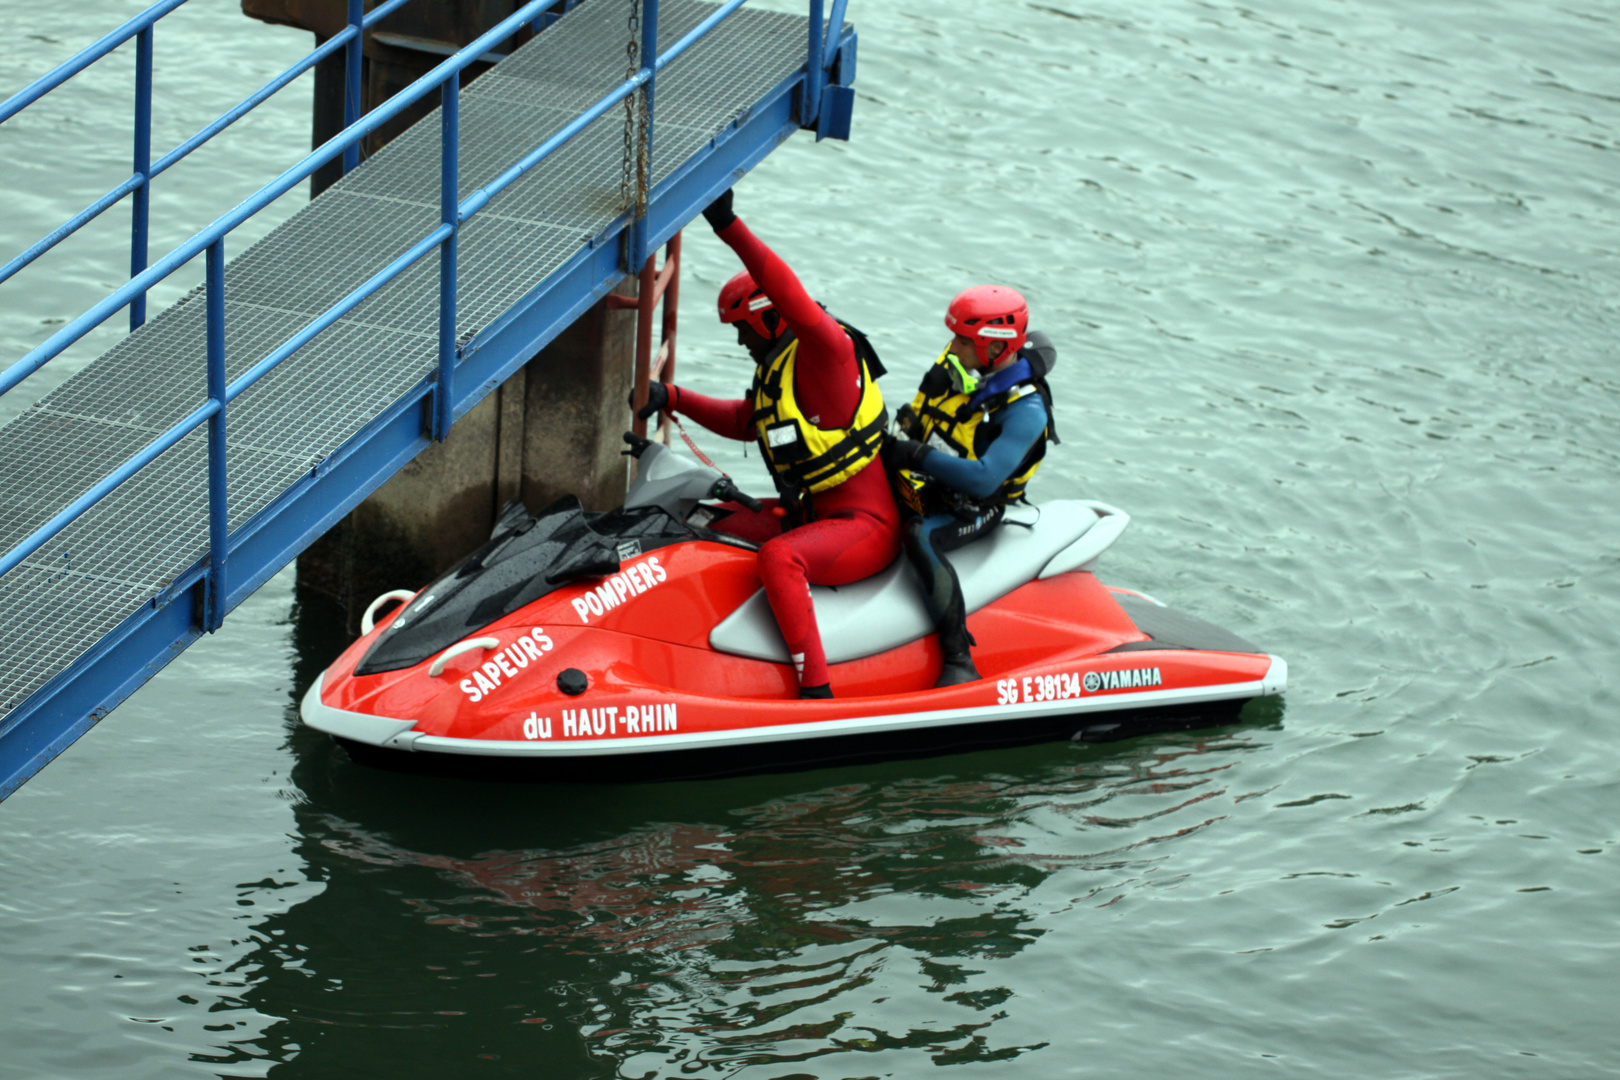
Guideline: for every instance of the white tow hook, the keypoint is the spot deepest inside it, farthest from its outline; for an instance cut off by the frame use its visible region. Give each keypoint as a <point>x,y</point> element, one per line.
<point>485,643</point>
<point>367,621</point>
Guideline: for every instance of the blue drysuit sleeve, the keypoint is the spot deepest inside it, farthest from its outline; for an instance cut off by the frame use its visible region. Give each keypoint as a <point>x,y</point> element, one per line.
<point>1022,423</point>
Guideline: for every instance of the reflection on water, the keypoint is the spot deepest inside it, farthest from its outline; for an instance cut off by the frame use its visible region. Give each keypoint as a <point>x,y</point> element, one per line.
<point>767,921</point>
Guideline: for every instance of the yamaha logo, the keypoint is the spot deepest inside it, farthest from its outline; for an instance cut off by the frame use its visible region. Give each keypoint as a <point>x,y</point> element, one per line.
<point>1129,679</point>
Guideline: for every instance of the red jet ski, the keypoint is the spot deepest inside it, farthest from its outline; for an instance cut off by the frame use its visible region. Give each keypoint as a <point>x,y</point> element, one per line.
<point>638,643</point>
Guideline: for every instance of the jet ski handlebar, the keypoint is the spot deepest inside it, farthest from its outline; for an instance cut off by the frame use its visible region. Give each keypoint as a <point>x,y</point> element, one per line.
<point>725,489</point>
<point>675,484</point>
<point>637,443</point>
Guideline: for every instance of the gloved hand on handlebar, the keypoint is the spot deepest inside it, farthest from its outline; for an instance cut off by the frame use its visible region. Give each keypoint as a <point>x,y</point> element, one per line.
<point>660,396</point>
<point>718,213</point>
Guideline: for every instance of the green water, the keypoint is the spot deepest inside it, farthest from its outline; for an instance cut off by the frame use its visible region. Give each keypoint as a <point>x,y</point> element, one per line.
<point>1335,291</point>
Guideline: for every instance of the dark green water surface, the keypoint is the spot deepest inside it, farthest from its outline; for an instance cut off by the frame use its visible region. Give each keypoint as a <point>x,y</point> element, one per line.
<point>1335,291</point>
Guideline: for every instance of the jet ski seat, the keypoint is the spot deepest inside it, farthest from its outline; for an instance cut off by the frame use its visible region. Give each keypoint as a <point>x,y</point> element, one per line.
<point>886,610</point>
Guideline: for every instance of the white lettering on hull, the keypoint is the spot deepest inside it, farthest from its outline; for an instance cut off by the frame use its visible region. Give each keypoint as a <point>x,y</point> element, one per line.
<point>609,721</point>
<point>505,665</point>
<point>630,582</point>
<point>1072,684</point>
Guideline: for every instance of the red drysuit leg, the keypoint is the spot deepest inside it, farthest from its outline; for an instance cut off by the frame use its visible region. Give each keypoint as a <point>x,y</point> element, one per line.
<point>827,551</point>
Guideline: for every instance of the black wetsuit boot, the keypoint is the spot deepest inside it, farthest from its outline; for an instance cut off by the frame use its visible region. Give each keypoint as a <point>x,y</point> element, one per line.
<point>954,641</point>
<point>942,591</point>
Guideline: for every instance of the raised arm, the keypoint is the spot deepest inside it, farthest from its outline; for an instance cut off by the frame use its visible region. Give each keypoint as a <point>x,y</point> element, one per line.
<point>806,318</point>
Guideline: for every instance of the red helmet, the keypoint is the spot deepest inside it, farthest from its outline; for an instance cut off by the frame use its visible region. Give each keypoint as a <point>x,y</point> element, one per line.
<point>987,314</point>
<point>741,299</point>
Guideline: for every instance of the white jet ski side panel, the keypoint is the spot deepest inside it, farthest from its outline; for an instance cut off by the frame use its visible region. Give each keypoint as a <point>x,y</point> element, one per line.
<point>886,610</point>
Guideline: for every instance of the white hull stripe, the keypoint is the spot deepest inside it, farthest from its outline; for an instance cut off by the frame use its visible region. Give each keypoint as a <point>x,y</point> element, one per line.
<point>383,731</point>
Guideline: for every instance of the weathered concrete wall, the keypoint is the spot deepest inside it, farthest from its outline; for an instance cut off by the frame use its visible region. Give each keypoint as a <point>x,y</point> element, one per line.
<point>575,410</point>
<point>432,512</point>
<point>553,429</point>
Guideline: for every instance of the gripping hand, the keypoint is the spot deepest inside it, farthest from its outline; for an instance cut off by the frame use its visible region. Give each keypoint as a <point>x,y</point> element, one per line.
<point>905,454</point>
<point>658,399</point>
<point>718,213</point>
<point>907,423</point>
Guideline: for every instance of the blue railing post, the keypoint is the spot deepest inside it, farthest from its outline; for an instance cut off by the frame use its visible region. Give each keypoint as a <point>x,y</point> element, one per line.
<point>449,214</point>
<point>141,206</point>
<point>835,33</point>
<point>218,519</point>
<point>812,76</point>
<point>351,74</point>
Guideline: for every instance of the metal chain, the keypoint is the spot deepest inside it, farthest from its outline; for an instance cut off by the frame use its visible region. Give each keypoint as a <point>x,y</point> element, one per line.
<point>643,162</point>
<point>632,53</point>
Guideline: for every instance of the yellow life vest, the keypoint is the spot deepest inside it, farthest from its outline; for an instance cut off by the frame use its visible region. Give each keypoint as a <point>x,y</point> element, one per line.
<point>804,457</point>
<point>951,425</point>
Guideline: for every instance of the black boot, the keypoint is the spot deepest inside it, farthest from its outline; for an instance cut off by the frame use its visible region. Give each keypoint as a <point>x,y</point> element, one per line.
<point>954,641</point>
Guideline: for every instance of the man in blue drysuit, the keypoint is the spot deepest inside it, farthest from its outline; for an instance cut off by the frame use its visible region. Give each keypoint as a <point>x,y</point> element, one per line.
<point>974,436</point>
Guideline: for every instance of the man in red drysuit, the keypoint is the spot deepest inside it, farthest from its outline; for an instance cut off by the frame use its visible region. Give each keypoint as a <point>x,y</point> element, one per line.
<point>836,521</point>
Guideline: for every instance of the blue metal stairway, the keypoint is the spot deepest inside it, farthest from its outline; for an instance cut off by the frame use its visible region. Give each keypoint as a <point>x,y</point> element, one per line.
<point>161,485</point>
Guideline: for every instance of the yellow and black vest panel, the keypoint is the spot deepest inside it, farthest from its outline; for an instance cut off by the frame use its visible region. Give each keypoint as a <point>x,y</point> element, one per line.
<point>802,456</point>
<point>952,426</point>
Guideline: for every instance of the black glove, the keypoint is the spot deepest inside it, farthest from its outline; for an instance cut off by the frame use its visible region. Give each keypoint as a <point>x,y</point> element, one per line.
<point>658,398</point>
<point>718,213</point>
<point>935,381</point>
<point>907,422</point>
<point>905,454</point>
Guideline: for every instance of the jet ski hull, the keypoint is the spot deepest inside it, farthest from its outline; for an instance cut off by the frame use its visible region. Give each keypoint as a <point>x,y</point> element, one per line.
<point>1059,656</point>
<point>639,643</point>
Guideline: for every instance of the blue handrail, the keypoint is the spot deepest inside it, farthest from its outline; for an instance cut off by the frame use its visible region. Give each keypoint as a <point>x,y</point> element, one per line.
<point>141,27</point>
<point>453,213</point>
<point>333,147</point>
<point>450,220</point>
<point>43,85</point>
